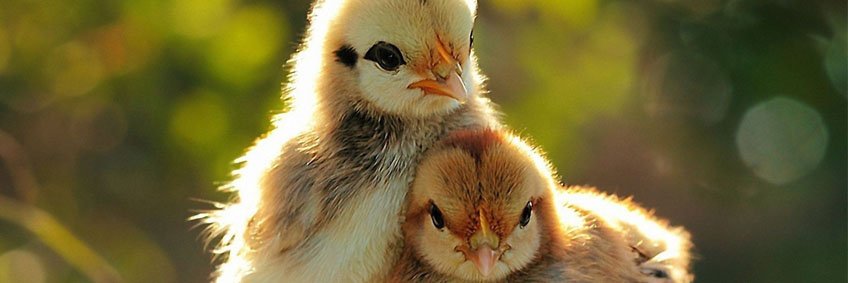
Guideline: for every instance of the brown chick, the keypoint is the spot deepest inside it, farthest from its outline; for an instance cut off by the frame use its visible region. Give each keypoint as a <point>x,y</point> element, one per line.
<point>484,207</point>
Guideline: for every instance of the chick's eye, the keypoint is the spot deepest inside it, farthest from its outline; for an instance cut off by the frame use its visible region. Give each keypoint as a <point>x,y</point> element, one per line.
<point>525,215</point>
<point>436,216</point>
<point>387,56</point>
<point>471,39</point>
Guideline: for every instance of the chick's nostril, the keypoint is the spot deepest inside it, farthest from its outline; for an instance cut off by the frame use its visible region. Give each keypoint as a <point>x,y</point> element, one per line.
<point>441,72</point>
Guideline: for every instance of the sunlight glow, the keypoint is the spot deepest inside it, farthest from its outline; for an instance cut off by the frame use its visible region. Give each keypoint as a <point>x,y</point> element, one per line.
<point>667,245</point>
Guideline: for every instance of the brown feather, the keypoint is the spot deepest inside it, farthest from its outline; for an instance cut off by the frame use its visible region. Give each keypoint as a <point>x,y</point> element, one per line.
<point>497,173</point>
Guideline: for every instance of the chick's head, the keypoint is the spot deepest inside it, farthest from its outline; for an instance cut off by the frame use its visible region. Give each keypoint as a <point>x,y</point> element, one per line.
<point>403,57</point>
<point>473,207</point>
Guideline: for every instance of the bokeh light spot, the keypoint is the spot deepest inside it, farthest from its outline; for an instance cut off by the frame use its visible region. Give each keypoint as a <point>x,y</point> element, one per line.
<point>782,140</point>
<point>21,266</point>
<point>198,18</point>
<point>111,46</point>
<point>249,41</point>
<point>199,121</point>
<point>74,69</point>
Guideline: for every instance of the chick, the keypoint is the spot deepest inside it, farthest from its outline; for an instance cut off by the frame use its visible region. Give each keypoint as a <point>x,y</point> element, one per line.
<point>375,83</point>
<point>478,210</point>
<point>660,251</point>
<point>484,207</point>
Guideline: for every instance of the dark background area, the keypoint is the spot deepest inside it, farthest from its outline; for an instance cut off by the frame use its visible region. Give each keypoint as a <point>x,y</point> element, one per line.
<point>118,119</point>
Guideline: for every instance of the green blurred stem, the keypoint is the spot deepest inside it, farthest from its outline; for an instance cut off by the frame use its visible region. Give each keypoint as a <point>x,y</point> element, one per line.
<point>59,239</point>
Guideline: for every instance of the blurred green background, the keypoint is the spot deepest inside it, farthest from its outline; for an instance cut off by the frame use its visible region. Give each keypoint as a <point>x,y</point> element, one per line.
<point>118,119</point>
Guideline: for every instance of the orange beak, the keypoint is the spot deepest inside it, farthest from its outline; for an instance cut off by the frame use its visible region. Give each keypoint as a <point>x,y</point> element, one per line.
<point>482,243</point>
<point>448,80</point>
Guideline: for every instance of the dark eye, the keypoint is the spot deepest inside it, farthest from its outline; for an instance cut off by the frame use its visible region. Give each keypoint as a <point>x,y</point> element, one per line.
<point>525,215</point>
<point>436,216</point>
<point>386,55</point>
<point>471,39</point>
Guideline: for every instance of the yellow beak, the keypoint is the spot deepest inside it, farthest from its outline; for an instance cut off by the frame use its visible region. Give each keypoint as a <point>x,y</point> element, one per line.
<point>448,80</point>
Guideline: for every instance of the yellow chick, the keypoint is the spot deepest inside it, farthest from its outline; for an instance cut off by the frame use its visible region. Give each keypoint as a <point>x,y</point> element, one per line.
<point>484,207</point>
<point>374,85</point>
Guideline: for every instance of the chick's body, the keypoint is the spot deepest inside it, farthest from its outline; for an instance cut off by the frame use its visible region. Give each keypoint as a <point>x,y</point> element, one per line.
<point>488,186</point>
<point>374,85</point>
<point>660,251</point>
